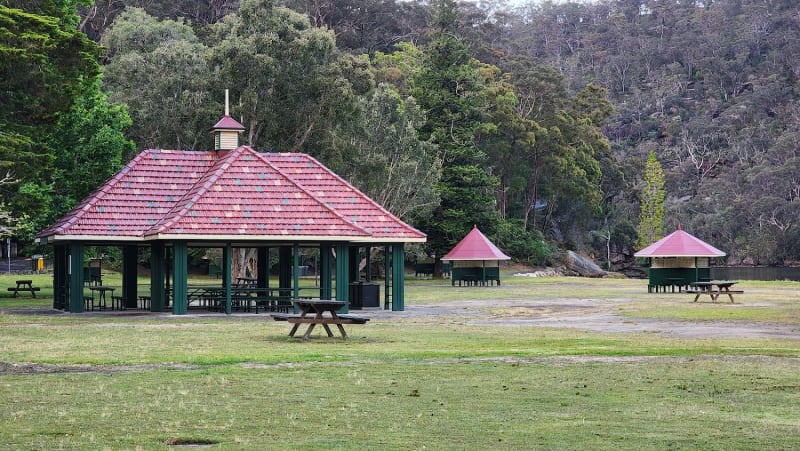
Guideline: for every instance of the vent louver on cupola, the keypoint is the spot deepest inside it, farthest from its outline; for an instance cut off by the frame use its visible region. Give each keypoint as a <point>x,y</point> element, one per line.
<point>226,131</point>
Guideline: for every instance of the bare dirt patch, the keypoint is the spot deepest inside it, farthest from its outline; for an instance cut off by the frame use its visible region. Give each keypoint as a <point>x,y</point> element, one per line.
<point>583,314</point>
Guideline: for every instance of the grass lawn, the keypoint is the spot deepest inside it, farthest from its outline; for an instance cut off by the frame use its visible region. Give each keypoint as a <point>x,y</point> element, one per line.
<point>140,382</point>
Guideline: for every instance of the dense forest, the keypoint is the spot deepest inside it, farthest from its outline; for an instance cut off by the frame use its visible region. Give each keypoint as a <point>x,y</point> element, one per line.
<point>548,125</point>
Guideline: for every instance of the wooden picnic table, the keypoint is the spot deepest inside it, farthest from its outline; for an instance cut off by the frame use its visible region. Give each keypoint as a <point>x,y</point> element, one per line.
<point>713,288</point>
<point>313,312</point>
<point>101,296</point>
<point>24,285</point>
<point>246,282</point>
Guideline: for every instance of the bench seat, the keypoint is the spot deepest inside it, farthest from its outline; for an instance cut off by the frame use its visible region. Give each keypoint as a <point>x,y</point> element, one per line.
<point>714,294</point>
<point>282,316</point>
<point>341,319</point>
<point>24,289</point>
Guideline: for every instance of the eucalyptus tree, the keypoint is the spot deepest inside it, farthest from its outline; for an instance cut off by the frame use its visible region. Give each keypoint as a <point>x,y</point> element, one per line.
<point>559,175</point>
<point>386,159</point>
<point>159,69</point>
<point>289,84</point>
<point>366,26</point>
<point>98,15</point>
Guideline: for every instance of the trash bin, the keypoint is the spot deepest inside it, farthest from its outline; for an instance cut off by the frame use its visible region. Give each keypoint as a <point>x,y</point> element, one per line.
<point>370,295</point>
<point>355,295</point>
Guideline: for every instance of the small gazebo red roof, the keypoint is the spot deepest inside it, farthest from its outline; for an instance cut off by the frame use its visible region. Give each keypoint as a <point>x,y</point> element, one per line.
<point>680,244</point>
<point>475,246</point>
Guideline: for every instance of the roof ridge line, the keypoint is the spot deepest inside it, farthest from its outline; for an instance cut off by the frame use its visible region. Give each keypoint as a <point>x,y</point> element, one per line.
<point>179,208</point>
<point>368,198</point>
<point>309,193</point>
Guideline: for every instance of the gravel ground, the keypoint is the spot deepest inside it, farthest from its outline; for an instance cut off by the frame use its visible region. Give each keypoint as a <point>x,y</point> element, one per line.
<point>590,315</point>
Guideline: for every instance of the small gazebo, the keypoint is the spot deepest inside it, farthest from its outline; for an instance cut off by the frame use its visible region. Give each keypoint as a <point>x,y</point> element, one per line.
<point>677,260</point>
<point>475,260</point>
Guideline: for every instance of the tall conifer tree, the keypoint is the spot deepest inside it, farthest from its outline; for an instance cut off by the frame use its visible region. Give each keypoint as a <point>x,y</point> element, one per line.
<point>451,91</point>
<point>651,214</point>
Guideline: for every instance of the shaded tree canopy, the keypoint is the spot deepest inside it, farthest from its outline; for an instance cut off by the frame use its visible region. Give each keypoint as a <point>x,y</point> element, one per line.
<point>542,114</point>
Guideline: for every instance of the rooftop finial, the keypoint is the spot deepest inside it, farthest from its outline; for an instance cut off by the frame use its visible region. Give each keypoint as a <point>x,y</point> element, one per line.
<point>227,111</point>
<point>226,131</point>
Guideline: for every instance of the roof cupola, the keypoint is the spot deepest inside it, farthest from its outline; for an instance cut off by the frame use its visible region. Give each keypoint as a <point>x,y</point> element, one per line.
<point>226,131</point>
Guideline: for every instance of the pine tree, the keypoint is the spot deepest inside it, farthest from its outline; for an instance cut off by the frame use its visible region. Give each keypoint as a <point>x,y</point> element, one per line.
<point>651,213</point>
<point>451,90</point>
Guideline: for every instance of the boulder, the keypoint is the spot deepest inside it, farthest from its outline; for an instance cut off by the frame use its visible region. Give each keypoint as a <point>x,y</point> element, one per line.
<point>583,266</point>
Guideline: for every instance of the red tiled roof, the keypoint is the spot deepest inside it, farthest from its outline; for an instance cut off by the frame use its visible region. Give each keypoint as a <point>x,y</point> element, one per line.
<point>228,123</point>
<point>680,244</point>
<point>475,246</point>
<point>238,194</point>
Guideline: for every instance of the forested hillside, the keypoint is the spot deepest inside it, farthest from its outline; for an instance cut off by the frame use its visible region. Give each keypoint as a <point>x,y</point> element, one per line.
<point>536,123</point>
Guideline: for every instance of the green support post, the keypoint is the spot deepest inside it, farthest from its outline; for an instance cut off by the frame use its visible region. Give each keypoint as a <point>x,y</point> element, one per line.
<point>263,267</point>
<point>368,266</point>
<point>354,258</point>
<point>180,301</point>
<point>285,270</point>
<point>398,277</point>
<point>388,282</point>
<point>296,271</point>
<point>157,264</point>
<point>76,304</point>
<point>130,276</point>
<point>60,277</point>
<point>325,276</point>
<point>342,275</point>
<point>227,254</point>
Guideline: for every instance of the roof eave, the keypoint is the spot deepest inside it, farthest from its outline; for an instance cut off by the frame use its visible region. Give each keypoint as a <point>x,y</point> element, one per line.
<point>51,239</point>
<point>444,259</point>
<point>240,237</point>
<point>678,255</point>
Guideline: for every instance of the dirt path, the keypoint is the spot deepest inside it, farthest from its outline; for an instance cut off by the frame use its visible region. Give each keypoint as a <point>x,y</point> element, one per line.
<point>589,315</point>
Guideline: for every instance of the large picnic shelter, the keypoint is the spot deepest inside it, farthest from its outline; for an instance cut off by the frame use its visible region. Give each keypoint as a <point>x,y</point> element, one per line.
<point>475,260</point>
<point>231,197</point>
<point>677,260</point>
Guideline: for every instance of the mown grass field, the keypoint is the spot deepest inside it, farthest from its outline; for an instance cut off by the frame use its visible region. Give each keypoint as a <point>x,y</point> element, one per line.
<point>72,381</point>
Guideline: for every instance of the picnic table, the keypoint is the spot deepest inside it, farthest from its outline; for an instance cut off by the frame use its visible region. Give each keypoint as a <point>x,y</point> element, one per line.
<point>24,285</point>
<point>246,282</point>
<point>713,288</point>
<point>100,301</point>
<point>245,298</point>
<point>313,312</point>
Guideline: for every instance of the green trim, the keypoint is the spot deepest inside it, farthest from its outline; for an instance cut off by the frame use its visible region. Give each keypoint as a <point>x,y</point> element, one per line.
<point>180,278</point>
<point>130,276</point>
<point>325,273</point>
<point>157,274</point>
<point>76,304</point>
<point>296,271</point>
<point>227,254</point>
<point>342,274</point>
<point>398,277</point>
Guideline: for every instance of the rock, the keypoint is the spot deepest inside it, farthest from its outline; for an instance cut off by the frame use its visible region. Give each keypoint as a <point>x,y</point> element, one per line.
<point>583,266</point>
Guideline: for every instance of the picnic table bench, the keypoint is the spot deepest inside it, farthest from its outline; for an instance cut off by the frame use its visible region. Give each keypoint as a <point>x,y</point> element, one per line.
<point>713,289</point>
<point>24,285</point>
<point>312,312</point>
